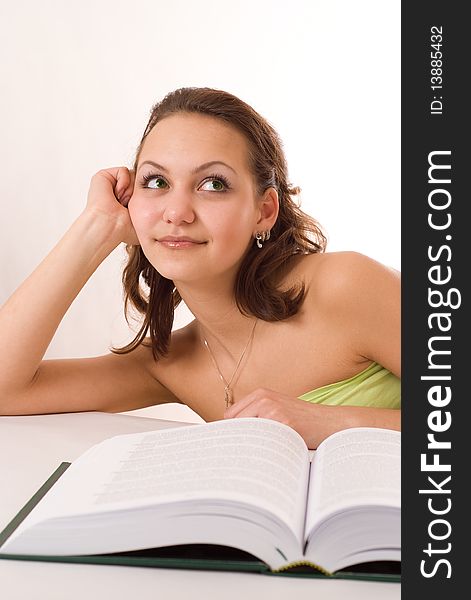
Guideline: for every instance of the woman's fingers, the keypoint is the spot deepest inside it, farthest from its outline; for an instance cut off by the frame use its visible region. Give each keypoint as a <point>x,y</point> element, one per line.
<point>128,190</point>
<point>122,181</point>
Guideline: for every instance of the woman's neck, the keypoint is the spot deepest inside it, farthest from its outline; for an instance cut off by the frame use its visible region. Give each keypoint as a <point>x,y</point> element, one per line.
<point>218,318</point>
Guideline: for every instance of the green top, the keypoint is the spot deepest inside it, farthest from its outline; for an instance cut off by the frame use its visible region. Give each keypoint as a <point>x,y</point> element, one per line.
<point>375,386</point>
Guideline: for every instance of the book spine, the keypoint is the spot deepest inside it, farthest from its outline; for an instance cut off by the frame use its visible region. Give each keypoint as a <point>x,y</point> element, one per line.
<point>302,563</point>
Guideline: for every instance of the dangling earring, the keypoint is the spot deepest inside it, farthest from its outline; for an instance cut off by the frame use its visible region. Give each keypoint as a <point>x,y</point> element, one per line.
<point>261,237</point>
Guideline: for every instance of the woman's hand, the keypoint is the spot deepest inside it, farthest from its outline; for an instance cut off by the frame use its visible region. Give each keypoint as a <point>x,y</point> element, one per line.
<point>108,196</point>
<point>313,422</point>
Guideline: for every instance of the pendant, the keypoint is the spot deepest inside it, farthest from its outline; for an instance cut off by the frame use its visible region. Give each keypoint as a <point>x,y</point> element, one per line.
<point>228,396</point>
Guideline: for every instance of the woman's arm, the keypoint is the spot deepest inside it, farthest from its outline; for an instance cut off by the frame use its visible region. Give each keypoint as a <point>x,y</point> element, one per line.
<point>314,422</point>
<point>29,319</point>
<point>361,298</point>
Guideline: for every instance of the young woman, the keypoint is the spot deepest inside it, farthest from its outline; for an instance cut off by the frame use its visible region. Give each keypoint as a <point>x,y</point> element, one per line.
<point>282,329</point>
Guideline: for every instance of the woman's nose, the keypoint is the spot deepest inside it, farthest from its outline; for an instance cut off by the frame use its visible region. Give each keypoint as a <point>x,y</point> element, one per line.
<point>178,209</point>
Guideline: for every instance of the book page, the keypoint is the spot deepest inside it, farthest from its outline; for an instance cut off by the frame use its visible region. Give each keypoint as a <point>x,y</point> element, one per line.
<point>252,460</point>
<point>354,467</point>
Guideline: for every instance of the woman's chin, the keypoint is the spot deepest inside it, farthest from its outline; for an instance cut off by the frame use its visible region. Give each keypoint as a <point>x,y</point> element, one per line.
<point>178,272</point>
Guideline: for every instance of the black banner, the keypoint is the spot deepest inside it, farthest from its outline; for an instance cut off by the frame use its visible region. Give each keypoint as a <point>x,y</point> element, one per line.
<point>435,321</point>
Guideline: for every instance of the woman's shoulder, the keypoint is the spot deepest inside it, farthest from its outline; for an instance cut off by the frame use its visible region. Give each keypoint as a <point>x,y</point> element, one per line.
<point>182,340</point>
<point>182,351</point>
<point>343,276</point>
<point>330,264</point>
<point>359,299</point>
<point>334,264</point>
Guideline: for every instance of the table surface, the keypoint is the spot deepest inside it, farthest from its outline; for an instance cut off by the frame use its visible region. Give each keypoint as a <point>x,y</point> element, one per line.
<point>31,447</point>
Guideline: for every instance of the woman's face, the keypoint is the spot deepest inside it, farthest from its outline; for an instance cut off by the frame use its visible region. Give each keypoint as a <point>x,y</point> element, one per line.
<point>194,216</point>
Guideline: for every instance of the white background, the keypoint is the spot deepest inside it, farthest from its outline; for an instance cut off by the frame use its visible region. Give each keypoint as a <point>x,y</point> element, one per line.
<point>79,78</point>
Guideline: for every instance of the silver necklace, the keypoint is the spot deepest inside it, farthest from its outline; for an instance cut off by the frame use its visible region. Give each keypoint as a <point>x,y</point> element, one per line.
<point>228,393</point>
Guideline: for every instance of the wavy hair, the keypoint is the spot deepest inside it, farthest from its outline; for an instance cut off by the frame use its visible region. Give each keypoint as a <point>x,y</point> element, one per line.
<point>257,288</point>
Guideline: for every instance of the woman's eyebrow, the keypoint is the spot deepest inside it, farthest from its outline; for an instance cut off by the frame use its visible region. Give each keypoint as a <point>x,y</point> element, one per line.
<point>196,170</point>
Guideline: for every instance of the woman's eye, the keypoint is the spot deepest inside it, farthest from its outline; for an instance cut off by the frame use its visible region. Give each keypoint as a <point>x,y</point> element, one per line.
<point>214,185</point>
<point>155,183</point>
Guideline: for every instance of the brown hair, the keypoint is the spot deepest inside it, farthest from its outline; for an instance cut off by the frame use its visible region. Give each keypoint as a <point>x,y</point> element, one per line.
<point>256,288</point>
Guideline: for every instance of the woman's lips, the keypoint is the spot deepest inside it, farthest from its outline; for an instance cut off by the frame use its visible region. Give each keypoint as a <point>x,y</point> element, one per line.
<point>179,242</point>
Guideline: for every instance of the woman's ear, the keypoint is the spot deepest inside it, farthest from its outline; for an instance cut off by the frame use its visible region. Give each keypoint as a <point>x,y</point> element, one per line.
<point>268,209</point>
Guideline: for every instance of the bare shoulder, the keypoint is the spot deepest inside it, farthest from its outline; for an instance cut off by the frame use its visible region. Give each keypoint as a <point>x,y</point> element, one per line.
<point>359,297</point>
<point>183,364</point>
<point>182,349</point>
<point>182,341</point>
<point>338,276</point>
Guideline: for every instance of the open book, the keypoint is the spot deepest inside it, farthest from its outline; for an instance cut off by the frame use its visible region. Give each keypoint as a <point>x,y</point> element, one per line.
<point>245,485</point>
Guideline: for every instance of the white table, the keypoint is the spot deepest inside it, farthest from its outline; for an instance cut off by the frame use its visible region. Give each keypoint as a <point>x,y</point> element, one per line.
<point>30,450</point>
